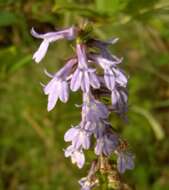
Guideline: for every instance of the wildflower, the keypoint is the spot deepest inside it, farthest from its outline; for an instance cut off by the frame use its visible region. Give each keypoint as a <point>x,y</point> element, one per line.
<point>100,130</point>
<point>107,143</point>
<point>83,76</point>
<point>119,100</point>
<point>125,161</point>
<point>104,62</point>
<point>111,73</point>
<point>109,78</point>
<point>49,37</point>
<point>91,180</point>
<point>58,86</point>
<point>104,52</point>
<point>88,183</point>
<point>93,110</point>
<point>77,156</point>
<point>78,136</point>
<point>121,79</point>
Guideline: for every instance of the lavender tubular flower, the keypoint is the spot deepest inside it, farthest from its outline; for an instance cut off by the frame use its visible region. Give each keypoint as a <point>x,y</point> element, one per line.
<point>111,73</point>
<point>83,76</point>
<point>109,78</point>
<point>114,77</point>
<point>88,184</point>
<point>93,110</point>
<point>121,79</point>
<point>104,52</point>
<point>79,137</point>
<point>106,143</point>
<point>77,156</point>
<point>55,89</point>
<point>119,100</point>
<point>125,161</point>
<point>99,130</point>
<point>85,184</point>
<point>104,62</point>
<point>58,86</point>
<point>91,180</point>
<point>68,34</point>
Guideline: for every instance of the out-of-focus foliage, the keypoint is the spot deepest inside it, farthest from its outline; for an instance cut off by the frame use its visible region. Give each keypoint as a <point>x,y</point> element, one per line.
<point>31,140</point>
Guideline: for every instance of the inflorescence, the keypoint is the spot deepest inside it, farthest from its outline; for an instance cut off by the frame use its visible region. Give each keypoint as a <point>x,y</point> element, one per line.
<point>94,71</point>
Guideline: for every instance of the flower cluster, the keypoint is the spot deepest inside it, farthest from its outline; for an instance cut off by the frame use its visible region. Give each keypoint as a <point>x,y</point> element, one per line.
<point>94,71</point>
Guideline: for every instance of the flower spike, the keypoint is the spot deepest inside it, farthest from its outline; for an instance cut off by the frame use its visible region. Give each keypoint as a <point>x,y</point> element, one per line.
<point>98,76</point>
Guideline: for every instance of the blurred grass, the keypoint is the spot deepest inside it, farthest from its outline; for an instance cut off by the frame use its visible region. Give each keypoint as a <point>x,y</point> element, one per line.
<point>31,140</point>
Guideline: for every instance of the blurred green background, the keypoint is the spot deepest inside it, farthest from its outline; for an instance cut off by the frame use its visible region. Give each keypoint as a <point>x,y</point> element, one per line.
<point>31,139</point>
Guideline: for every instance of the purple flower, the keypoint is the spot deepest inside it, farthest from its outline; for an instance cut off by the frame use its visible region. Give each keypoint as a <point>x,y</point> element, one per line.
<point>78,136</point>
<point>83,76</point>
<point>125,161</point>
<point>104,52</point>
<point>104,62</point>
<point>100,130</point>
<point>106,144</point>
<point>55,89</point>
<point>89,126</point>
<point>119,100</point>
<point>58,86</point>
<point>93,110</point>
<point>109,78</point>
<point>121,78</point>
<point>77,156</point>
<point>68,34</point>
<point>87,183</point>
<point>112,74</point>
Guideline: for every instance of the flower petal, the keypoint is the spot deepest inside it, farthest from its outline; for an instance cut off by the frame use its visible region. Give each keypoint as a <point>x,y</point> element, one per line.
<point>52,98</point>
<point>120,77</point>
<point>49,87</point>
<point>115,96</point>
<point>81,54</point>
<point>76,80</point>
<point>129,161</point>
<point>85,84</point>
<point>68,33</point>
<point>86,142</point>
<point>50,37</point>
<point>80,159</point>
<point>121,164</point>
<point>41,52</point>
<point>70,134</point>
<point>68,151</point>
<point>99,146</point>
<point>64,92</point>
<point>109,79</point>
<point>94,80</point>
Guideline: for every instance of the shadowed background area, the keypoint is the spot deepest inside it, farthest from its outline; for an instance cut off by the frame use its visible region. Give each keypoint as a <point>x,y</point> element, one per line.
<point>31,139</point>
